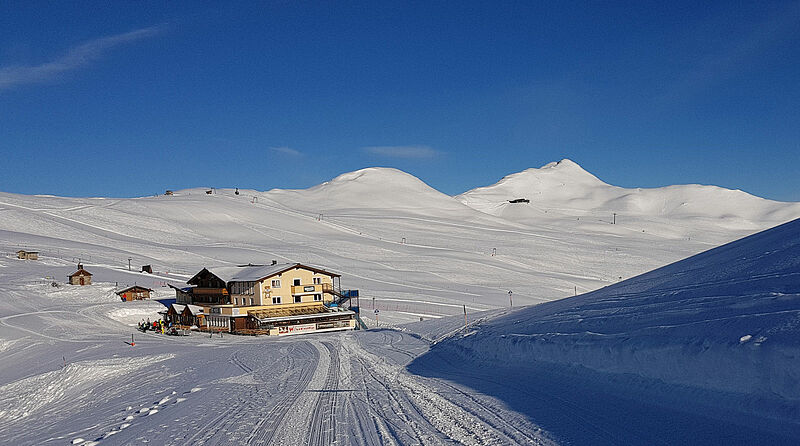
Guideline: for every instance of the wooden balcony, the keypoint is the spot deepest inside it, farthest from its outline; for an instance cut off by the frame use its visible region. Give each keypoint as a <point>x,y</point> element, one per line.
<point>306,289</point>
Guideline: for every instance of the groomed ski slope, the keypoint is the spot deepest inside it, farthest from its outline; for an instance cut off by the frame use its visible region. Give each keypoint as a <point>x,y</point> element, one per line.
<point>415,251</point>
<point>632,363</point>
<point>710,345</point>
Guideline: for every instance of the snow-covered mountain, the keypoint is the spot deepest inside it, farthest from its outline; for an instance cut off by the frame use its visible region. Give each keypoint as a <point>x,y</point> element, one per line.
<point>699,352</point>
<point>563,188</point>
<point>396,238</point>
<point>374,188</point>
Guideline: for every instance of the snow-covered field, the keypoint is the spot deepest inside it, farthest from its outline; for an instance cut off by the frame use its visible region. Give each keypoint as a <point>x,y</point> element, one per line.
<point>702,351</point>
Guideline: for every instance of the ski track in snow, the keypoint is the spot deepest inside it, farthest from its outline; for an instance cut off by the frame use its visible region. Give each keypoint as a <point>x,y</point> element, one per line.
<point>419,253</point>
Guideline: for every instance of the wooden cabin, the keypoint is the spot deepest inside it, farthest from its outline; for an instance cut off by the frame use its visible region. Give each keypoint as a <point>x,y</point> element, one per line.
<point>80,277</point>
<point>193,315</point>
<point>174,314</point>
<point>134,293</point>
<point>27,255</point>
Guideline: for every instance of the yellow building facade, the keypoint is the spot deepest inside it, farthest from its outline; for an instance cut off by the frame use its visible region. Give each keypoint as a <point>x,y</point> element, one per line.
<point>264,285</point>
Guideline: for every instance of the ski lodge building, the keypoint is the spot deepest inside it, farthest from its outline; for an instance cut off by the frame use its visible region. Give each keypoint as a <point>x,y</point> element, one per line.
<point>276,299</point>
<point>134,293</point>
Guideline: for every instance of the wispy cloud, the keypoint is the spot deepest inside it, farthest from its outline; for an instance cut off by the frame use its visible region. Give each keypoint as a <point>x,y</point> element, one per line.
<point>287,151</point>
<point>408,152</point>
<point>75,57</point>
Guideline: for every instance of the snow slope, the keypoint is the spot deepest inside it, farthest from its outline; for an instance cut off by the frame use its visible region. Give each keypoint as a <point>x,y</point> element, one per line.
<point>725,323</point>
<point>415,251</point>
<point>68,375</point>
<point>563,188</point>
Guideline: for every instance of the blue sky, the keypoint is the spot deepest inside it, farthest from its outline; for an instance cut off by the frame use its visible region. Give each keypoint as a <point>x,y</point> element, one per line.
<point>131,98</point>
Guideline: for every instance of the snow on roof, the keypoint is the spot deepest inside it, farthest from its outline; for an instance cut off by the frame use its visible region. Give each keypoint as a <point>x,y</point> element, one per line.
<point>134,287</point>
<point>258,272</point>
<point>178,307</point>
<point>81,272</point>
<point>195,309</point>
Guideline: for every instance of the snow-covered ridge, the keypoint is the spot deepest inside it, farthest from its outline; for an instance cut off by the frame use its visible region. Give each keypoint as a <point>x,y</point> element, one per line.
<point>374,187</point>
<point>727,319</point>
<point>564,188</point>
<point>390,233</point>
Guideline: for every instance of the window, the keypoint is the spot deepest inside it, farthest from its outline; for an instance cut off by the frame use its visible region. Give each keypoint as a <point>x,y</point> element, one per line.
<point>317,280</point>
<point>298,299</point>
<point>296,282</point>
<point>252,301</point>
<point>317,297</point>
<point>276,299</point>
<point>242,288</point>
<point>276,283</point>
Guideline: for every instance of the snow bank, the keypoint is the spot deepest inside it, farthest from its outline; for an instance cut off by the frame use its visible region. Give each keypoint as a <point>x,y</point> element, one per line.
<point>137,312</point>
<point>727,319</point>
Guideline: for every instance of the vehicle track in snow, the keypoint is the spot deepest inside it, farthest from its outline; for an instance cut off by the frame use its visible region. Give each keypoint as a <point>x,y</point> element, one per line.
<point>323,419</point>
<point>431,411</point>
<point>293,381</point>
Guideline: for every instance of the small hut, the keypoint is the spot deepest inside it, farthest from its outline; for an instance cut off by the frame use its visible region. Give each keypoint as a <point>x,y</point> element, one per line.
<point>27,255</point>
<point>135,292</point>
<point>80,277</point>
<point>175,314</point>
<point>193,315</point>
<point>147,269</point>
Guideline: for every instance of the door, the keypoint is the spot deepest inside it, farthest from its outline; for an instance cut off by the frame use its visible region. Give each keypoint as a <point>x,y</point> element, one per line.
<point>81,280</point>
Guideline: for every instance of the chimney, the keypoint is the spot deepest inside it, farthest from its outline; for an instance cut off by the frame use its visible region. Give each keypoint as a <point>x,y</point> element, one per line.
<point>274,262</point>
<point>80,266</point>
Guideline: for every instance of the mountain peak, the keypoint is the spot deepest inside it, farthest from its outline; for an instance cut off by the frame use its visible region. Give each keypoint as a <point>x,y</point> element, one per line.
<point>564,163</point>
<point>555,174</point>
<point>375,187</point>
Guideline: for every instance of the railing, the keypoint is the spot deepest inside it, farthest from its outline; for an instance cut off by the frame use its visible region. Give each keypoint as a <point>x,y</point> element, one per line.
<point>301,289</point>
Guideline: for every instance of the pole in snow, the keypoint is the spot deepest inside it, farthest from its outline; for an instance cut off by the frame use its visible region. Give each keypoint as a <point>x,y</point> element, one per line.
<point>465,317</point>
<point>615,219</point>
<point>376,316</point>
<point>510,302</point>
<point>129,263</point>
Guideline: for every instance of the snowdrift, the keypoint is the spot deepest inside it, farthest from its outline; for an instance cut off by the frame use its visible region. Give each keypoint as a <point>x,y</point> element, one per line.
<point>727,320</point>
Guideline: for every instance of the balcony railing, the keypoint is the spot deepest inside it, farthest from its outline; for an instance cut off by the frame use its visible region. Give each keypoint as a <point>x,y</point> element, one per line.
<point>307,289</point>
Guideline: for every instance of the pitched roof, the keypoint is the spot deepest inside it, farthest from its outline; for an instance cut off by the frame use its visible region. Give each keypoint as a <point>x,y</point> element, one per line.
<point>195,309</point>
<point>80,272</point>
<point>132,288</point>
<point>256,273</point>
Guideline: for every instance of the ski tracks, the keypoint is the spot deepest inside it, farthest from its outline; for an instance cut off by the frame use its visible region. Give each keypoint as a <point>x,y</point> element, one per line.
<point>417,411</point>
